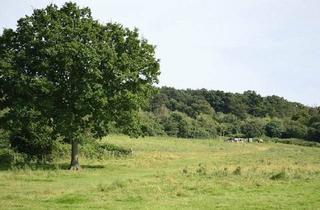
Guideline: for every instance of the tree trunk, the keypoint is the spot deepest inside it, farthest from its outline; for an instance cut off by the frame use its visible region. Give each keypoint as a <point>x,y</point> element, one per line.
<point>74,165</point>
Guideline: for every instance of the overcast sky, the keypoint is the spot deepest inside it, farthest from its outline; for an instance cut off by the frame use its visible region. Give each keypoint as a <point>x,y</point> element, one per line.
<point>270,46</point>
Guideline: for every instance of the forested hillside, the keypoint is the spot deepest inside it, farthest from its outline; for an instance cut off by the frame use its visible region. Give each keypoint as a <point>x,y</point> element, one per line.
<point>208,113</point>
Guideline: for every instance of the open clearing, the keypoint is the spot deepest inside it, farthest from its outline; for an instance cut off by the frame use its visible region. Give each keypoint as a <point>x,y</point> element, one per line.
<point>169,173</point>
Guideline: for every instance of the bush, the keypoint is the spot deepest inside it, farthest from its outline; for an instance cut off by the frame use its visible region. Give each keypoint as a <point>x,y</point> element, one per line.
<point>274,128</point>
<point>180,125</point>
<point>294,129</point>
<point>229,129</point>
<point>198,132</point>
<point>35,142</point>
<point>252,128</point>
<point>206,126</point>
<point>177,124</point>
<point>91,150</point>
<point>314,132</point>
<point>4,139</point>
<point>30,133</point>
<point>6,157</point>
<point>9,158</point>
<point>150,125</point>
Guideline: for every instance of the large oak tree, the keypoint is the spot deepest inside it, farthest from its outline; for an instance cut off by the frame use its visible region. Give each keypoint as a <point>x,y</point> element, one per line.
<point>73,74</point>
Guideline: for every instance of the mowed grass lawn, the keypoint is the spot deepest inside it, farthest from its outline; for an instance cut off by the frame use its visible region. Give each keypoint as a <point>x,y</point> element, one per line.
<point>169,173</point>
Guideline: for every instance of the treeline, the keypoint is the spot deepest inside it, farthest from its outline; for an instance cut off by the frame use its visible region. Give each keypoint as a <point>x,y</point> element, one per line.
<point>186,114</point>
<point>208,113</point>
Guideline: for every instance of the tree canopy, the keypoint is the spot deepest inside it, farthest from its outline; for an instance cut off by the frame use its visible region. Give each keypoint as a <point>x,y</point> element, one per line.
<point>248,114</point>
<point>65,70</point>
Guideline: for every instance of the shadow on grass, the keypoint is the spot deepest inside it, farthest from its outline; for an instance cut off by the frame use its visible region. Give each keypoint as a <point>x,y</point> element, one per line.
<point>92,166</point>
<point>45,166</point>
<point>4,167</point>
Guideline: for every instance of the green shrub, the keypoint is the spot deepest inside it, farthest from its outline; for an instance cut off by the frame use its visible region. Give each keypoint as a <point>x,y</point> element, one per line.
<point>252,128</point>
<point>180,125</point>
<point>35,145</point>
<point>91,150</point>
<point>115,149</point>
<point>150,125</point>
<point>4,139</point>
<point>294,129</point>
<point>314,132</point>
<point>206,126</point>
<point>177,124</point>
<point>30,133</point>
<point>274,128</point>
<point>10,158</point>
<point>198,132</point>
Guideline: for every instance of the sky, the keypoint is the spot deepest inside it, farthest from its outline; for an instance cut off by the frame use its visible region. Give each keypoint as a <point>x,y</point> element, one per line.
<point>269,46</point>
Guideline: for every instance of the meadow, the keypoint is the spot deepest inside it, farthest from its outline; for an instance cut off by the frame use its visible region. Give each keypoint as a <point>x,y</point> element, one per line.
<point>171,173</point>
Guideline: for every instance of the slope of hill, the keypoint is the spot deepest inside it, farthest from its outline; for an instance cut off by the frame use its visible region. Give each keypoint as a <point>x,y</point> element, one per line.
<point>170,173</point>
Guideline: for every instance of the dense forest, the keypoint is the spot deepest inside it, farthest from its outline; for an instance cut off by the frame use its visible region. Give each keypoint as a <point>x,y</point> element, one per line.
<point>209,113</point>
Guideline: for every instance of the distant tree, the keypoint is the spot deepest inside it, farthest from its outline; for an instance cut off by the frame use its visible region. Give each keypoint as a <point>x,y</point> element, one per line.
<point>201,107</point>
<point>294,129</point>
<point>252,128</point>
<point>170,125</point>
<point>279,107</point>
<point>178,124</point>
<point>314,118</point>
<point>232,128</point>
<point>158,104</point>
<point>237,106</point>
<point>150,125</point>
<point>76,74</point>
<point>196,131</point>
<point>302,116</point>
<point>207,123</point>
<point>314,128</point>
<point>219,101</point>
<point>255,103</point>
<point>227,118</point>
<point>231,111</point>
<point>274,128</point>
<point>183,123</point>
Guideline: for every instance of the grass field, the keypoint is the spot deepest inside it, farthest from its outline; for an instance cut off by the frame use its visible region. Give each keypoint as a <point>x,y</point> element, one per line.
<point>168,173</point>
